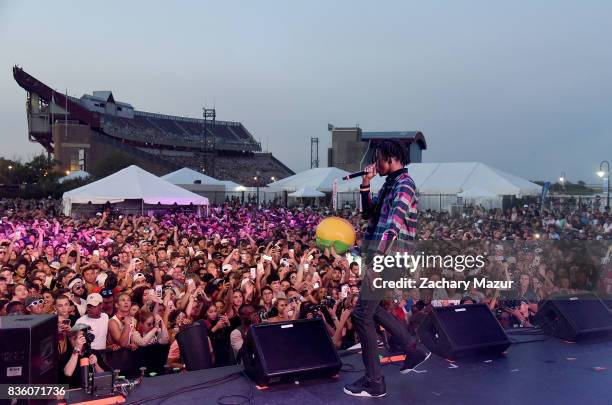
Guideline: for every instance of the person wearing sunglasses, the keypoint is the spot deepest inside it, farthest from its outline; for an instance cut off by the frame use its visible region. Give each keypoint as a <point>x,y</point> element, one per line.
<point>35,305</point>
<point>79,293</point>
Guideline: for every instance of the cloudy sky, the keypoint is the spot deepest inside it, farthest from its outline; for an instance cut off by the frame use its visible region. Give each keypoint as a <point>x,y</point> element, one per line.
<point>523,86</point>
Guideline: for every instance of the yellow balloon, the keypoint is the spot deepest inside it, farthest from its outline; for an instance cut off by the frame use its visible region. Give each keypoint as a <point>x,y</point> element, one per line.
<point>336,232</point>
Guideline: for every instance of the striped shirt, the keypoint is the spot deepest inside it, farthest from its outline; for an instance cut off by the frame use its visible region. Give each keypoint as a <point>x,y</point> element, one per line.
<point>396,216</point>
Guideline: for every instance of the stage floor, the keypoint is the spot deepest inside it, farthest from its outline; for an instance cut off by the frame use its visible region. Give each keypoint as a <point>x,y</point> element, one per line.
<point>540,372</point>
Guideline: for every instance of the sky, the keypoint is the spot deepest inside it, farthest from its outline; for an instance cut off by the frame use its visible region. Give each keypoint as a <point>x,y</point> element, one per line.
<point>523,86</point>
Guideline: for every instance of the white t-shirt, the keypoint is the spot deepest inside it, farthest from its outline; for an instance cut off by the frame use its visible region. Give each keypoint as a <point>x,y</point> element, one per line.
<point>99,327</point>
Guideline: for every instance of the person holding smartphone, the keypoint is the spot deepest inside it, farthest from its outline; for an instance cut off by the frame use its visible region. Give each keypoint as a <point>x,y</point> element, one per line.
<point>150,329</point>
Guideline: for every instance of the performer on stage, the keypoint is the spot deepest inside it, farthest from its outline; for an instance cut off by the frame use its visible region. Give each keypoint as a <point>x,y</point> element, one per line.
<point>392,219</point>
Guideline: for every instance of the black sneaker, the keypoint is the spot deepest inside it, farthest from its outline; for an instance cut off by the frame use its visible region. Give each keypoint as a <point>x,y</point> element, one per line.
<point>414,358</point>
<point>366,388</point>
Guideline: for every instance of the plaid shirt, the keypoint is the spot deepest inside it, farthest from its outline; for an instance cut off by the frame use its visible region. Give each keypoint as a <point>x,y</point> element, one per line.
<point>397,218</point>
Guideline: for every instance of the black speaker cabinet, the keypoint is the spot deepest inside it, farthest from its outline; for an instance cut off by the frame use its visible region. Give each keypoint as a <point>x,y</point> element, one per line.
<point>193,343</point>
<point>289,351</point>
<point>28,349</point>
<point>575,317</point>
<point>461,331</point>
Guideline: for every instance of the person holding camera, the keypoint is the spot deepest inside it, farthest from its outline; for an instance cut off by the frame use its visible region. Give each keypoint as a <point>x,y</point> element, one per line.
<point>78,348</point>
<point>150,329</point>
<point>97,320</point>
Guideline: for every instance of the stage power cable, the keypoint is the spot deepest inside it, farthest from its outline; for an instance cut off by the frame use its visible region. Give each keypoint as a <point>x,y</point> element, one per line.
<point>200,386</point>
<point>246,399</point>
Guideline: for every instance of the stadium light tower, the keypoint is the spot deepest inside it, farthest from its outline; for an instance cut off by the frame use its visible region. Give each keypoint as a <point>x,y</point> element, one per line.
<point>314,152</point>
<point>605,175</point>
<point>209,115</point>
<point>562,179</point>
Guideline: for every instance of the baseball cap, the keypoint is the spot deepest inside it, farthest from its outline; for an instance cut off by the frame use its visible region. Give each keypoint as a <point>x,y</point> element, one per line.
<point>94,299</point>
<point>55,265</point>
<point>226,268</point>
<point>106,293</point>
<point>139,276</point>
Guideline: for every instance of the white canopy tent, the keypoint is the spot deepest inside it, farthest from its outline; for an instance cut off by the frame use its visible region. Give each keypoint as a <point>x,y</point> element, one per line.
<point>79,174</point>
<point>439,184</point>
<point>189,176</point>
<point>306,192</point>
<point>480,196</point>
<point>456,177</point>
<point>231,186</point>
<point>476,192</point>
<point>320,179</point>
<point>131,183</point>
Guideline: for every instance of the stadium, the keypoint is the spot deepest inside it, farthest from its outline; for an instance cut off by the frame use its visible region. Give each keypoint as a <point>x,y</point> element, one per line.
<point>99,135</point>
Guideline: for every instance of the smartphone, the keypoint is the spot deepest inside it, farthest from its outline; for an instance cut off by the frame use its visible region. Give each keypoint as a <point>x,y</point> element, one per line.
<point>344,291</point>
<point>253,273</point>
<point>316,285</point>
<point>267,258</point>
<point>158,291</point>
<point>66,322</point>
<point>96,253</point>
<point>189,281</point>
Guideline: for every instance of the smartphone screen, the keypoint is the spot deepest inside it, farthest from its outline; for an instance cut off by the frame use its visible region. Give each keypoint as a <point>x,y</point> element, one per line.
<point>253,273</point>
<point>158,291</point>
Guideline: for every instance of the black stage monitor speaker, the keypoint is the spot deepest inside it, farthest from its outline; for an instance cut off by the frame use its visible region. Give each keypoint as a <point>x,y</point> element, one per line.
<point>28,349</point>
<point>193,343</point>
<point>289,351</point>
<point>574,316</point>
<point>461,331</point>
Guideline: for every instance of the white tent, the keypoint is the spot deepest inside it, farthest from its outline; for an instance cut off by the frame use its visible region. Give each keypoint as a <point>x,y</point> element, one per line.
<point>230,186</point>
<point>79,174</point>
<point>189,176</point>
<point>476,192</point>
<point>305,192</point>
<point>131,183</point>
<point>320,179</point>
<point>452,178</point>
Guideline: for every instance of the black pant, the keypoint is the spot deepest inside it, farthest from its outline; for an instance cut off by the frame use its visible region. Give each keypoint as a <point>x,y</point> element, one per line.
<point>366,314</point>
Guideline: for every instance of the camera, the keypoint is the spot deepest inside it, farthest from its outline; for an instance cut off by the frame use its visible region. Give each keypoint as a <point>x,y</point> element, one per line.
<point>263,315</point>
<point>328,302</point>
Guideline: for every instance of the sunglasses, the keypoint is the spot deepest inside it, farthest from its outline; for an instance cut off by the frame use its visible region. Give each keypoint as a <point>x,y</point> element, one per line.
<point>78,286</point>
<point>37,302</point>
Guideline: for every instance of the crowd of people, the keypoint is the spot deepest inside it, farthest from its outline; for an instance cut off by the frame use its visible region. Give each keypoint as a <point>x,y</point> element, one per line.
<point>124,284</point>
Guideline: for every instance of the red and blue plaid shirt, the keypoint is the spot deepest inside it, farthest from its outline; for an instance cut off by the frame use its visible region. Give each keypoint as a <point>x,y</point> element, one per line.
<point>396,216</point>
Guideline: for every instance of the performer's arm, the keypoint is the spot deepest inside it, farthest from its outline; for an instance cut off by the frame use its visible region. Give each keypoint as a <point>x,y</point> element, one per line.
<point>367,205</point>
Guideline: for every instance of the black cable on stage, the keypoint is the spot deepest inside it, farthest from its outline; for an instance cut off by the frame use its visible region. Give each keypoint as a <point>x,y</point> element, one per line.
<point>222,400</point>
<point>202,385</point>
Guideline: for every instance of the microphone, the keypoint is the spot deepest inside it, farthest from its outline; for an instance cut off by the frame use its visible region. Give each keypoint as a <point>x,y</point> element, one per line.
<point>353,175</point>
